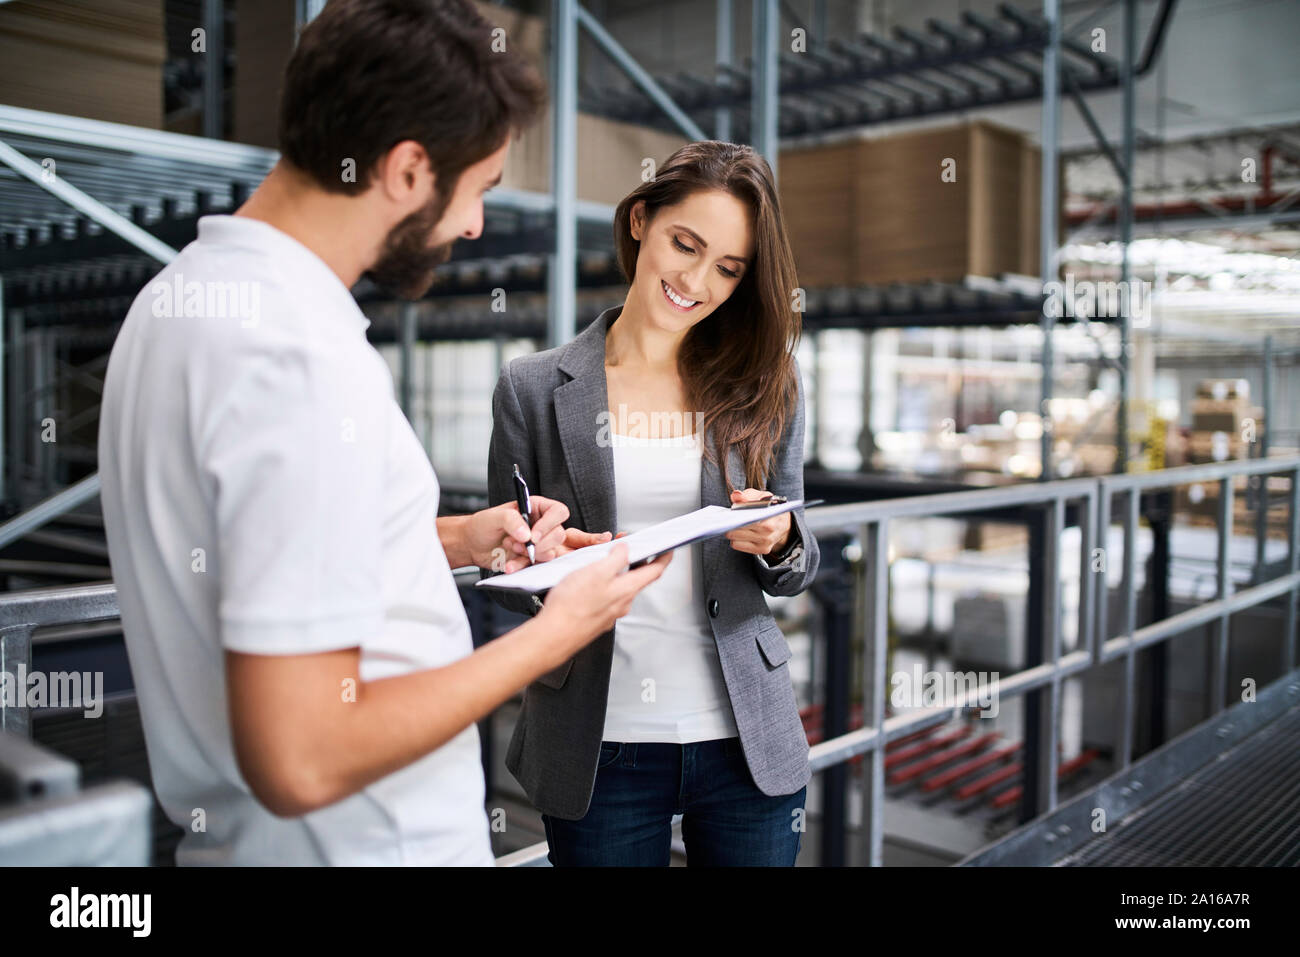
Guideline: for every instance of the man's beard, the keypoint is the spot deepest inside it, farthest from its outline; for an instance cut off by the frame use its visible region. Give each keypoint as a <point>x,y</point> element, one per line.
<point>406,265</point>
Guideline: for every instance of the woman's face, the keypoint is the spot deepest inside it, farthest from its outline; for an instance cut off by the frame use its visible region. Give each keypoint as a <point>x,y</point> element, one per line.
<point>692,257</point>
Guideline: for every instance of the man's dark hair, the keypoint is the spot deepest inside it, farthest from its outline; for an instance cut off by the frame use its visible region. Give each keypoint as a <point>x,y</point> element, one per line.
<point>368,74</point>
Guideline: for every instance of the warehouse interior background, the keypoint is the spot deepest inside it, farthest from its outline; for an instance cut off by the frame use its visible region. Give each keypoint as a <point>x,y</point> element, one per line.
<point>1049,255</point>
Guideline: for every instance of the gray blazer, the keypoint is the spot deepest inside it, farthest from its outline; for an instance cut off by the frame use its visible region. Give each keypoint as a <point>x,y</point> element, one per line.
<point>545,417</point>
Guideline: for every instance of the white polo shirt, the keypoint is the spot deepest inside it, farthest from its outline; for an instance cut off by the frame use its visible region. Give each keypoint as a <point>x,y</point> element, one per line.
<point>263,493</point>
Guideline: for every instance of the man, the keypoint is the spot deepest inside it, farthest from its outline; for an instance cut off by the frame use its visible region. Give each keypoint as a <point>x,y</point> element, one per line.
<point>307,683</point>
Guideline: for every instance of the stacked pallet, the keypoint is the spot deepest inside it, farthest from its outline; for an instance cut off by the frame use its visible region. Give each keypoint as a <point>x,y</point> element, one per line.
<point>1224,423</point>
<point>1010,446</point>
<point>994,536</point>
<point>1083,434</point>
<point>939,204</point>
<point>1198,503</point>
<point>101,60</point>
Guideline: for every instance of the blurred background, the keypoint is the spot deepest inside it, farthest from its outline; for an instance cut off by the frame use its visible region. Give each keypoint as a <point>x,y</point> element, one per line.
<point>1038,244</point>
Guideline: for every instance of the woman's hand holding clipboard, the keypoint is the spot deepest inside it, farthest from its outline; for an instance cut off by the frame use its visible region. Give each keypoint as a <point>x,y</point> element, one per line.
<point>760,538</point>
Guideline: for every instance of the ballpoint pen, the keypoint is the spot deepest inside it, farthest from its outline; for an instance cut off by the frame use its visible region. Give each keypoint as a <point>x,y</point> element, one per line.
<point>525,509</point>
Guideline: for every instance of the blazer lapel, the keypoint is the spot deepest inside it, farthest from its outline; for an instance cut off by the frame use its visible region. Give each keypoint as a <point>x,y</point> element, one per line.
<point>714,491</point>
<point>579,405</point>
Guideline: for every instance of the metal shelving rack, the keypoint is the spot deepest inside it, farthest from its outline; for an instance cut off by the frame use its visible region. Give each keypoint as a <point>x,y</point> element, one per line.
<point>74,252</point>
<point>839,84</point>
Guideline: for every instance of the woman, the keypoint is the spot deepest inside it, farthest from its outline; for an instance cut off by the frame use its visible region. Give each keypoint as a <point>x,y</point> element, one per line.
<point>686,706</point>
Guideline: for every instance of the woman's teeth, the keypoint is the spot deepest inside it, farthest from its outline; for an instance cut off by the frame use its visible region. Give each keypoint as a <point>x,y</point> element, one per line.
<point>678,301</point>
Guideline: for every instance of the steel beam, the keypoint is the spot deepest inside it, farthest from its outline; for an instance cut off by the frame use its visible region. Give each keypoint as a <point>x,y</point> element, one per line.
<point>407,348</point>
<point>764,130</point>
<point>1076,96</point>
<point>85,204</point>
<point>214,69</point>
<point>562,274</point>
<point>1128,83</point>
<point>722,55</point>
<point>1048,225</point>
<point>614,50</point>
<point>54,506</point>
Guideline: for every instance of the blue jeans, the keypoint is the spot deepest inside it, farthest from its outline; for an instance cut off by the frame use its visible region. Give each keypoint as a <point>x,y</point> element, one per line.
<point>726,819</point>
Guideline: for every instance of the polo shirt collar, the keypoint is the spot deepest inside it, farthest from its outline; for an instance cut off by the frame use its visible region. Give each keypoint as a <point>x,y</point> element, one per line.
<point>309,268</point>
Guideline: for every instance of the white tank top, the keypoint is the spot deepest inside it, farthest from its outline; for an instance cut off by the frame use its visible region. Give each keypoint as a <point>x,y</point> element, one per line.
<point>666,682</point>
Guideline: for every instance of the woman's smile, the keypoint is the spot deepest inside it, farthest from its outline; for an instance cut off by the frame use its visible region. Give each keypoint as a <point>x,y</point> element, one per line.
<point>676,299</point>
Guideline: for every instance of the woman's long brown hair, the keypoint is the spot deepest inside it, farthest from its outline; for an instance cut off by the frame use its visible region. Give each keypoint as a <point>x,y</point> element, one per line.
<point>737,365</point>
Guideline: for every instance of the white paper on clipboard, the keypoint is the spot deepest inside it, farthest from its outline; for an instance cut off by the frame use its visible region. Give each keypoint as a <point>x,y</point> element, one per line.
<point>641,545</point>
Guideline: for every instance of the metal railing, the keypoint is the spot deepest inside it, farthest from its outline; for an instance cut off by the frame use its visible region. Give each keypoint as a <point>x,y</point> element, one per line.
<point>44,512</point>
<point>24,611</point>
<point>873,519</point>
<point>1048,664</point>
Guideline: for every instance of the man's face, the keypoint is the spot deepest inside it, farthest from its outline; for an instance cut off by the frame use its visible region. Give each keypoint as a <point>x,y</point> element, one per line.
<point>420,243</point>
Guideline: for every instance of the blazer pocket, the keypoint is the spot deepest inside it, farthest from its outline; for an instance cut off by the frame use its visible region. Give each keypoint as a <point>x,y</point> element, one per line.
<point>771,641</point>
<point>556,677</point>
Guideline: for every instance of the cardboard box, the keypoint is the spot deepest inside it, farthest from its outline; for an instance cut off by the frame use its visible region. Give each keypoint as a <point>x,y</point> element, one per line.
<point>1216,447</point>
<point>267,32</point>
<point>1227,415</point>
<point>876,211</point>
<point>1199,504</point>
<point>1223,389</point>
<point>100,60</point>
<point>816,189</point>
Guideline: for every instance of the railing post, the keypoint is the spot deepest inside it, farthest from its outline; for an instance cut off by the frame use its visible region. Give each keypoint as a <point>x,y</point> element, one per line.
<point>1124,743</point>
<point>875,686</point>
<point>1259,483</point>
<point>834,591</point>
<point>1219,660</point>
<point>1049,702</point>
<point>1293,565</point>
<point>1158,513</point>
<point>1101,590</point>
<point>15,665</point>
<point>1086,636</point>
<point>1042,646</point>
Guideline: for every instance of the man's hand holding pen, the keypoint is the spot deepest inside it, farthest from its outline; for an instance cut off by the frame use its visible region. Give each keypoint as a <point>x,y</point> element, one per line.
<point>500,534</point>
<point>532,545</point>
<point>497,537</point>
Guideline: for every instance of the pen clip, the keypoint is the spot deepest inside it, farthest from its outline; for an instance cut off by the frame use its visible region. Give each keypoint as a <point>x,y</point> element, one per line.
<point>522,497</point>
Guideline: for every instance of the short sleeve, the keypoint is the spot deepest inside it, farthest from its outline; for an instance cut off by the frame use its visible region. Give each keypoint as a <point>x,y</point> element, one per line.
<point>295,459</point>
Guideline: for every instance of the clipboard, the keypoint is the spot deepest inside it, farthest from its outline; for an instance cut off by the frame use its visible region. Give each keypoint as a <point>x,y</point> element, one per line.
<point>643,546</point>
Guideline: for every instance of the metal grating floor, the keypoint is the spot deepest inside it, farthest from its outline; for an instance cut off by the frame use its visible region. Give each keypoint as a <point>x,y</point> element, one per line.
<point>1240,810</point>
